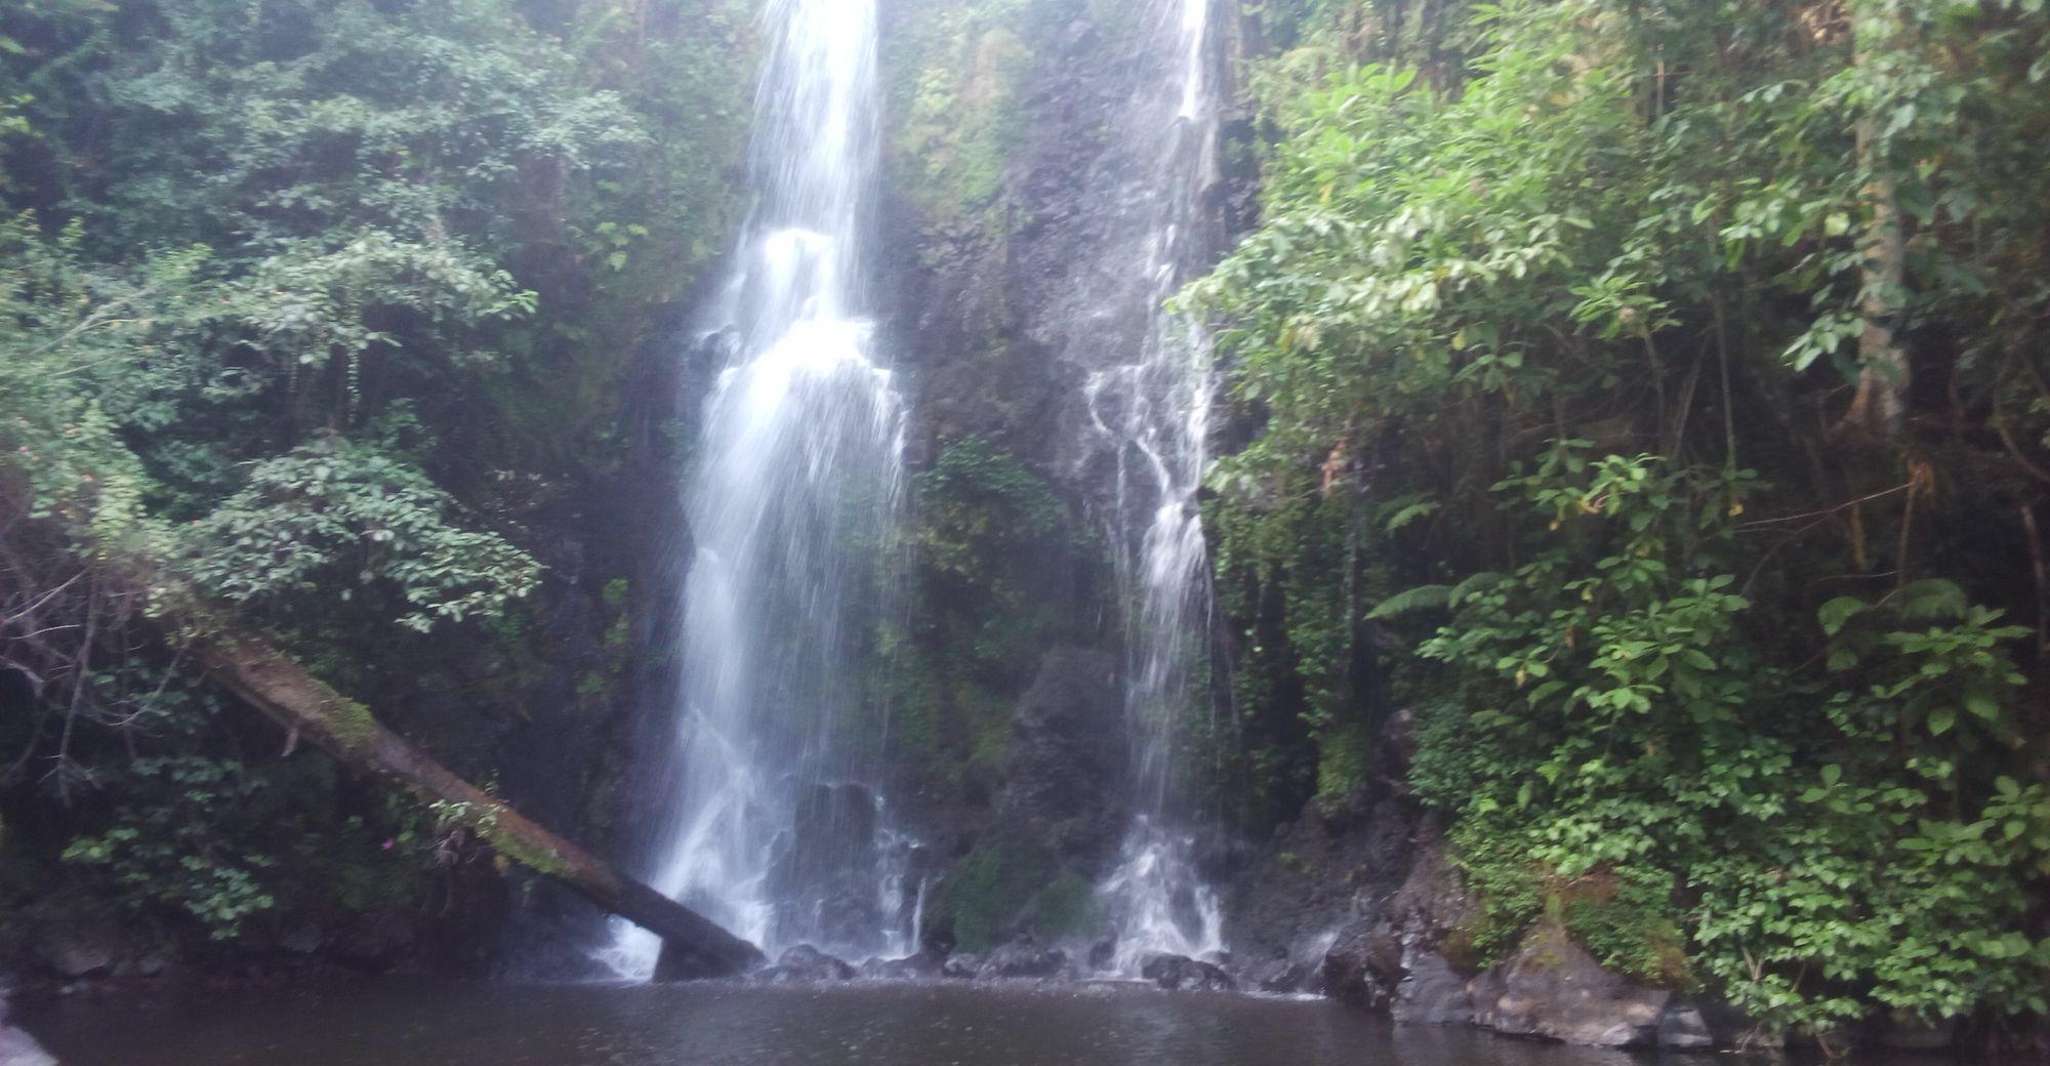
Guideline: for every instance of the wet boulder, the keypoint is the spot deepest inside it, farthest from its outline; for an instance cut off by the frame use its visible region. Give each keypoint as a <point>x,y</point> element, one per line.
<point>1552,988</point>
<point>1364,965</point>
<point>1023,960</point>
<point>1179,973</point>
<point>806,965</point>
<point>826,872</point>
<point>923,966</point>
<point>962,967</point>
<point>1684,1028</point>
<point>1283,976</point>
<point>375,941</point>
<point>1066,771</point>
<point>73,948</point>
<point>1430,992</point>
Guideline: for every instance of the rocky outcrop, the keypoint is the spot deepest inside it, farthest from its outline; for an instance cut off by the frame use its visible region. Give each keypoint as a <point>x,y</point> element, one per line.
<point>805,965</point>
<point>1401,958</point>
<point>1023,961</point>
<point>924,966</point>
<point>78,947</point>
<point>1553,988</point>
<point>1179,973</point>
<point>1068,758</point>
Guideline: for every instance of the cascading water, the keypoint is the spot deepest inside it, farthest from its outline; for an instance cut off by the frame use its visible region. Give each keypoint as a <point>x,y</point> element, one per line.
<point>1154,414</point>
<point>792,505</point>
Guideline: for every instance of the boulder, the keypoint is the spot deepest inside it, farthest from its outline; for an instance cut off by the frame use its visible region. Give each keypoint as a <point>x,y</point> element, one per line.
<point>962,967</point>
<point>923,966</point>
<point>1067,764</point>
<point>375,940</point>
<point>1179,973</point>
<point>805,965</point>
<point>1430,992</point>
<point>1283,976</point>
<point>1023,960</point>
<point>79,947</point>
<point>1684,1028</point>
<point>1552,988</point>
<point>1364,965</point>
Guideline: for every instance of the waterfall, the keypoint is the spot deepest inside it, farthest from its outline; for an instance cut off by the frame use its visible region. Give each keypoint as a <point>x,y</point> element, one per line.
<point>792,503</point>
<point>1153,413</point>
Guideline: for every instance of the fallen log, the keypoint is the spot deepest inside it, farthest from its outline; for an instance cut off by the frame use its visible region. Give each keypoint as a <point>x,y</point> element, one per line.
<point>271,682</point>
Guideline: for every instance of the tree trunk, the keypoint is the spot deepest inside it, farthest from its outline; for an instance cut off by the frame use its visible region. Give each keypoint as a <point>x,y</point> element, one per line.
<point>264,677</point>
<point>1880,407</point>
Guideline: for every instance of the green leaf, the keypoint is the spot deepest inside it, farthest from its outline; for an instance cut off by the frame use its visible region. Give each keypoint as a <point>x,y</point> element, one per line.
<point>1423,597</point>
<point>1837,612</point>
<point>1929,599</point>
<point>1942,719</point>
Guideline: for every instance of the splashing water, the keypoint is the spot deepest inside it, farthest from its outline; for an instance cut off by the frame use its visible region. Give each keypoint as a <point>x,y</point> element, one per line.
<point>1155,414</point>
<point>793,505</point>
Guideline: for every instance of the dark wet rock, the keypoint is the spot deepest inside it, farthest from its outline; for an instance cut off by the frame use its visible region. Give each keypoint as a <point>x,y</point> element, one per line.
<point>962,967</point>
<point>825,877</point>
<point>80,947</point>
<point>1337,864</point>
<point>1552,988</point>
<point>1364,966</point>
<point>1103,954</point>
<point>1684,1028</point>
<point>1285,975</point>
<point>1067,759</point>
<point>1431,992</point>
<point>376,941</point>
<point>1179,973</point>
<point>923,966</point>
<point>805,965</point>
<point>1023,960</point>
<point>304,939</point>
<point>1400,956</point>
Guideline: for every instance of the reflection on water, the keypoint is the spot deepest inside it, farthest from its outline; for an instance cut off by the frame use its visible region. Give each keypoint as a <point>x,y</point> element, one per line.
<point>732,1025</point>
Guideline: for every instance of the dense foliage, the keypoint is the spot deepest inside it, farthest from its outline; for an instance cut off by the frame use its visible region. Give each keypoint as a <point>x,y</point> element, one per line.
<point>1652,399</point>
<point>324,312</point>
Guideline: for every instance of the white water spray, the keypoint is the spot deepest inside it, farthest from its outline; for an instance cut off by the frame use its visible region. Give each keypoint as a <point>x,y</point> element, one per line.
<point>1155,413</point>
<point>793,504</point>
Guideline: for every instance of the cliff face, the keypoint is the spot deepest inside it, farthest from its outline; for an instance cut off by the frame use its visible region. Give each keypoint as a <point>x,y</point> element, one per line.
<point>1023,194</point>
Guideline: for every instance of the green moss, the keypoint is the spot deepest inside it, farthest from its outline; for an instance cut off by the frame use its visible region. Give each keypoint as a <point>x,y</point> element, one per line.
<point>539,860</point>
<point>961,66</point>
<point>352,724</point>
<point>989,888</point>
<point>1067,907</point>
<point>1626,921</point>
<point>1344,761</point>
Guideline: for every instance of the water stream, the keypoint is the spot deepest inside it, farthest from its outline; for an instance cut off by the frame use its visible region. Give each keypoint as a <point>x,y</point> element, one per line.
<point>1154,413</point>
<point>792,504</point>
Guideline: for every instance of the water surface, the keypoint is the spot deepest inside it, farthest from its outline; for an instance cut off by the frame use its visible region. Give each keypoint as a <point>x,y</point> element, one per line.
<point>732,1025</point>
